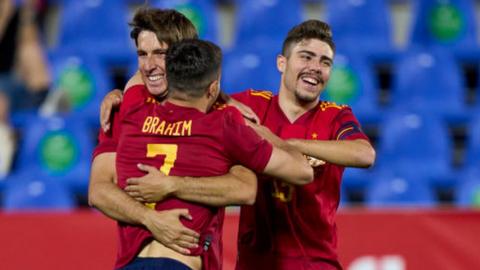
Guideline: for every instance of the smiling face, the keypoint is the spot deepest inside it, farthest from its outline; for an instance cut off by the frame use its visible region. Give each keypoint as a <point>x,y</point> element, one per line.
<point>305,70</point>
<point>151,62</point>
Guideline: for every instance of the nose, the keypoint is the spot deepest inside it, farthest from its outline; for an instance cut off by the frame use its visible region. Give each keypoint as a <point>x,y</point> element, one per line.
<point>150,64</point>
<point>315,66</point>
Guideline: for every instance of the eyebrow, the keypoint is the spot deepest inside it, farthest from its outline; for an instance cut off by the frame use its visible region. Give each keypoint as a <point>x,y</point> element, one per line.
<point>323,57</point>
<point>154,51</point>
<point>160,51</point>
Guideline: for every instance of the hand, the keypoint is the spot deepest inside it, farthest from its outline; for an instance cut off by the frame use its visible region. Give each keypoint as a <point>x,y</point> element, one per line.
<point>152,187</point>
<point>314,162</point>
<point>110,101</point>
<point>246,111</point>
<point>167,229</point>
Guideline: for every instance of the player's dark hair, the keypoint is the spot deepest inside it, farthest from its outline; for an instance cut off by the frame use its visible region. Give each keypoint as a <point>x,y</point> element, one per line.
<point>310,29</point>
<point>168,25</point>
<point>192,65</point>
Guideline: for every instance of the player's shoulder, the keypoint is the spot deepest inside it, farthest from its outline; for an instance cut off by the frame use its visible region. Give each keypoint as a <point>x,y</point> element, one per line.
<point>228,113</point>
<point>135,93</point>
<point>328,110</point>
<point>253,95</point>
<point>332,107</point>
<point>261,95</point>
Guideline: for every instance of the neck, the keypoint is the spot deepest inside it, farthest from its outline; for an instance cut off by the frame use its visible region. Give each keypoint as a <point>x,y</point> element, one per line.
<point>291,106</point>
<point>200,104</point>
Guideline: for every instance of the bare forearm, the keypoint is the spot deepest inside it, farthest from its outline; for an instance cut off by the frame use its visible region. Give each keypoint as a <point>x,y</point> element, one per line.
<point>106,196</point>
<point>237,187</point>
<point>116,204</point>
<point>354,153</point>
<point>276,141</point>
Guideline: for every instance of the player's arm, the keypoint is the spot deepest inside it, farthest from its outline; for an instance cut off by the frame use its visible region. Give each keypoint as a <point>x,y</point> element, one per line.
<point>350,147</point>
<point>246,111</point>
<point>113,99</point>
<point>350,153</point>
<point>286,162</point>
<point>238,187</point>
<point>106,196</point>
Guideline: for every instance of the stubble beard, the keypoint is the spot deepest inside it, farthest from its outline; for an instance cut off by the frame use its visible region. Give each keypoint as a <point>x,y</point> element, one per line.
<point>305,99</point>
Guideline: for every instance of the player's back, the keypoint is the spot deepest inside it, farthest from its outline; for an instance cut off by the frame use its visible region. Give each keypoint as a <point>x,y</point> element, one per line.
<point>182,141</point>
<point>179,141</point>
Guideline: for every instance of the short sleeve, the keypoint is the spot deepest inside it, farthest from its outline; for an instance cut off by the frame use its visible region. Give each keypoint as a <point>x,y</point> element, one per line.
<point>108,141</point>
<point>258,101</point>
<point>347,127</point>
<point>243,144</point>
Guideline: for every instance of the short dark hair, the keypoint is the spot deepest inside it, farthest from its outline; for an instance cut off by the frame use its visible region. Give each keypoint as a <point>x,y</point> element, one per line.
<point>310,29</point>
<point>192,65</point>
<point>169,25</point>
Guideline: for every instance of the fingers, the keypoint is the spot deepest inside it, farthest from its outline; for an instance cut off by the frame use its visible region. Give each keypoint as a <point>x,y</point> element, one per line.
<point>105,116</point>
<point>252,116</point>
<point>190,244</point>
<point>184,213</point>
<point>111,100</point>
<point>131,182</point>
<point>179,249</point>
<point>147,168</point>
<point>314,162</point>
<point>138,198</point>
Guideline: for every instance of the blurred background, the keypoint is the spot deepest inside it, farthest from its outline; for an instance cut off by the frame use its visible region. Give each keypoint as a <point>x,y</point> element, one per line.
<point>408,68</point>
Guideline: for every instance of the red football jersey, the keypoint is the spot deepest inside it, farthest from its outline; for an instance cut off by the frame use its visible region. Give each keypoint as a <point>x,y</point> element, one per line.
<point>183,141</point>
<point>108,141</point>
<point>293,227</point>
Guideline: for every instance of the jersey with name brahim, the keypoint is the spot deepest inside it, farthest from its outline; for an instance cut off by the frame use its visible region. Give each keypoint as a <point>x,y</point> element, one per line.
<point>183,141</point>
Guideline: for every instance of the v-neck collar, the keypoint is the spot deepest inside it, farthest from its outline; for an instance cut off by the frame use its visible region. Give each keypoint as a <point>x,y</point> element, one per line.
<point>300,120</point>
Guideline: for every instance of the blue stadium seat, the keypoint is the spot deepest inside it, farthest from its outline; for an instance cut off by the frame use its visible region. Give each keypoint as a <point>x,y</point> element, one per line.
<point>265,19</point>
<point>251,67</point>
<point>89,26</point>
<point>202,13</point>
<point>29,191</point>
<point>416,143</point>
<point>430,80</point>
<point>473,143</point>
<point>389,189</point>
<point>362,25</point>
<point>84,80</point>
<point>353,82</point>
<point>446,23</point>
<point>357,179</point>
<point>468,189</point>
<point>57,148</point>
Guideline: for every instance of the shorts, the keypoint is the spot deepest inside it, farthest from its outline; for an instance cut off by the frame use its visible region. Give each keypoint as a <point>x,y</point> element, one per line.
<point>155,264</point>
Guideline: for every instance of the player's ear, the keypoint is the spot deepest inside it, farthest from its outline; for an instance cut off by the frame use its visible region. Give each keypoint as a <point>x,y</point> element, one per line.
<point>214,88</point>
<point>281,62</point>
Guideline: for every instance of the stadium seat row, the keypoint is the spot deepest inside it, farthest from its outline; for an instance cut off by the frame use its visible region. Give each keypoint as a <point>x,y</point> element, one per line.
<point>361,25</point>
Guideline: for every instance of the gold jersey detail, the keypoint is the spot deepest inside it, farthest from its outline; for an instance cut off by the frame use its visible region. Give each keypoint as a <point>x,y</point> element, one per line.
<point>152,100</point>
<point>327,104</point>
<point>264,94</point>
<point>343,131</point>
<point>219,106</point>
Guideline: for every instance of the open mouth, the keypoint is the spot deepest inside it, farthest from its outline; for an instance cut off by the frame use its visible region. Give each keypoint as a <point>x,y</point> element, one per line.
<point>310,79</point>
<point>155,78</point>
